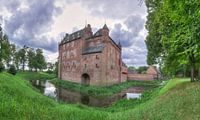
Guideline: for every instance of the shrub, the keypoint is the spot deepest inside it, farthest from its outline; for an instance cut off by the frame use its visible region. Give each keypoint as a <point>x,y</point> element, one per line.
<point>1,67</point>
<point>12,70</point>
<point>49,71</point>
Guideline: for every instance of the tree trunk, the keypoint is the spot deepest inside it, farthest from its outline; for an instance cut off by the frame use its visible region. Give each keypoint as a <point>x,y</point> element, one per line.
<point>198,77</point>
<point>23,66</point>
<point>192,73</point>
<point>192,65</point>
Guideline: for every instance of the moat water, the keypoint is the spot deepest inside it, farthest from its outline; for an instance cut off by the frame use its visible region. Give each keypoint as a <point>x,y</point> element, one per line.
<point>59,94</point>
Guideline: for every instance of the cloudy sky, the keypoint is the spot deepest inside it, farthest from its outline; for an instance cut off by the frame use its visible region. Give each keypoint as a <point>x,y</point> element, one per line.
<point>43,23</point>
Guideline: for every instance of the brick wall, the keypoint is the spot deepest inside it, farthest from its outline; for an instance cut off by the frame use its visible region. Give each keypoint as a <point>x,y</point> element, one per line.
<point>104,68</point>
<point>142,76</point>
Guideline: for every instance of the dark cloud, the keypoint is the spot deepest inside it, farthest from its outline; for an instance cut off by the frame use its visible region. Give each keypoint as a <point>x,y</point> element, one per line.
<point>134,25</point>
<point>134,48</point>
<point>116,9</point>
<point>29,26</point>
<point>11,5</point>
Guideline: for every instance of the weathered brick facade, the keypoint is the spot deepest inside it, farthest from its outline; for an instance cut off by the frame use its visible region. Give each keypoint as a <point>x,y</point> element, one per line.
<point>93,59</point>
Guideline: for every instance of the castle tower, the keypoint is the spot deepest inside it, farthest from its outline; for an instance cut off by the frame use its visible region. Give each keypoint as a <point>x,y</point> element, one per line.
<point>87,31</point>
<point>105,30</point>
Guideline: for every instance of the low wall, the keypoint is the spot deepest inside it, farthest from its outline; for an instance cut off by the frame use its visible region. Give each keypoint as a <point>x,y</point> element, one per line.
<point>142,76</point>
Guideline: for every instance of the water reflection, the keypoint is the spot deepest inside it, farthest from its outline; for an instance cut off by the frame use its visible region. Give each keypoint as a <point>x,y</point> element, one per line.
<point>48,89</point>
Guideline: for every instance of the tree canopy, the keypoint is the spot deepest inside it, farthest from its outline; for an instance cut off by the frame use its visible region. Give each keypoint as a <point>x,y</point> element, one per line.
<point>174,34</point>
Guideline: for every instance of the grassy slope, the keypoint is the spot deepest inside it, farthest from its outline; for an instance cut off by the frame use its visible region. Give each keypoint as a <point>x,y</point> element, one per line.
<point>19,101</point>
<point>179,99</point>
<point>35,75</point>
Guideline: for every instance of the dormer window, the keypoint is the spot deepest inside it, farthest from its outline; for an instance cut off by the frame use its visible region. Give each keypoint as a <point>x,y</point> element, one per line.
<point>78,34</point>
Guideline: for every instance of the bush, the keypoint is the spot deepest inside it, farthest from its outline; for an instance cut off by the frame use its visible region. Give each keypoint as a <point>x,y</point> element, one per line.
<point>12,70</point>
<point>49,71</point>
<point>1,67</point>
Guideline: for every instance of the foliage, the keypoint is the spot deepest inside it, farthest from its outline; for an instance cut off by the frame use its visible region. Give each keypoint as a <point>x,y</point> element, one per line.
<point>12,70</point>
<point>31,58</point>
<point>142,69</point>
<point>5,49</point>
<point>178,27</point>
<point>153,39</point>
<point>22,53</point>
<point>56,68</point>
<point>20,56</point>
<point>131,68</point>
<point>1,67</point>
<point>40,62</point>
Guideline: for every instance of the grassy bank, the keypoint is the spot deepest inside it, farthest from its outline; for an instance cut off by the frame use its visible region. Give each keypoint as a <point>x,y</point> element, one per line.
<point>20,102</point>
<point>179,99</point>
<point>35,75</point>
<point>103,91</point>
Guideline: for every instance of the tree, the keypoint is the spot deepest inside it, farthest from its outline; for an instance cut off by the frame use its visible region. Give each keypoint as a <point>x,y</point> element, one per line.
<point>40,62</point>
<point>178,28</point>
<point>5,49</point>
<point>131,68</point>
<point>142,69</point>
<point>31,58</point>
<point>22,54</point>
<point>153,39</point>
<point>12,70</point>
<point>56,69</point>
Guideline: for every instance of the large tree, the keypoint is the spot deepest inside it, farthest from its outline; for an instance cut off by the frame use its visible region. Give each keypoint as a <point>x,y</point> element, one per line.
<point>31,58</point>
<point>40,62</point>
<point>178,33</point>
<point>22,54</point>
<point>5,48</point>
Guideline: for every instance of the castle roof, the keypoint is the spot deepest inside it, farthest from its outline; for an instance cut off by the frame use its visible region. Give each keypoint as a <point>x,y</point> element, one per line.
<point>105,27</point>
<point>94,49</point>
<point>73,36</point>
<point>78,34</point>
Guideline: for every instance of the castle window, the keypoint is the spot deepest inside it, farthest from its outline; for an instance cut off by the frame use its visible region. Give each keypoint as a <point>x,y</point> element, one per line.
<point>85,66</point>
<point>97,57</point>
<point>97,66</point>
<point>78,34</point>
<point>112,67</point>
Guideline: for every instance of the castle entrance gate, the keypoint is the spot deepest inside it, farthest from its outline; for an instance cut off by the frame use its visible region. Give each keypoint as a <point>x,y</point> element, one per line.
<point>85,79</point>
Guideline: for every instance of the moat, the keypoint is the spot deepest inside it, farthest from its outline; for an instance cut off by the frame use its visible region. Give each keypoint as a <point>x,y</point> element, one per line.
<point>67,96</point>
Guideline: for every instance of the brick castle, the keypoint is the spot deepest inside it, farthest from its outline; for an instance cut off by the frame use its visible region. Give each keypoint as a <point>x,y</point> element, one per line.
<point>92,59</point>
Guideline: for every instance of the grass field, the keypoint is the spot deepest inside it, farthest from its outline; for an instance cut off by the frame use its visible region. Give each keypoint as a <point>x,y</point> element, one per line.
<point>178,99</point>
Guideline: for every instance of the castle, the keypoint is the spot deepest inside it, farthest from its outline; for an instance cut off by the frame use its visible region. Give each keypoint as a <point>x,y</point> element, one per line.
<point>91,59</point>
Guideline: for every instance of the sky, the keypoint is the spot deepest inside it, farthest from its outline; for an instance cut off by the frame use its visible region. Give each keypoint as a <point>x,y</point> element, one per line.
<point>43,23</point>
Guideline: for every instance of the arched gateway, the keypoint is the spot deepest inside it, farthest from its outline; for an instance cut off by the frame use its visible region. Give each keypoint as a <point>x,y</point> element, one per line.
<point>85,79</point>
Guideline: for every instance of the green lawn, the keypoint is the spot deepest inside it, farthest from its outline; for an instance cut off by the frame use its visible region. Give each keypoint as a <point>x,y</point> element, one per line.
<point>179,99</point>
